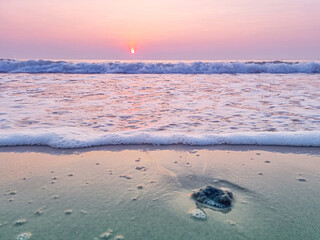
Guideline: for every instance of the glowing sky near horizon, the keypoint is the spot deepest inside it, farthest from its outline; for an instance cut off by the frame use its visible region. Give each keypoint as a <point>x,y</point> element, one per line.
<point>166,29</point>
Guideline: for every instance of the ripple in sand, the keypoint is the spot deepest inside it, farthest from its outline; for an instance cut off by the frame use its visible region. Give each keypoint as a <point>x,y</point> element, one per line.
<point>68,211</point>
<point>20,222</point>
<point>125,177</point>
<point>24,236</point>
<point>3,224</point>
<point>301,179</point>
<point>56,197</point>
<point>38,212</point>
<point>119,237</point>
<point>83,212</point>
<point>232,223</point>
<point>142,168</point>
<point>106,235</point>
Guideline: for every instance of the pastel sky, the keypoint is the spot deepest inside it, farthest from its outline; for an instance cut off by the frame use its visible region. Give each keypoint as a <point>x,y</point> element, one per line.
<point>160,29</point>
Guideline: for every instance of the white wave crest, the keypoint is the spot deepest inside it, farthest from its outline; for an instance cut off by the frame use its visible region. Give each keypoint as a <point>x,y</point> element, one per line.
<point>43,66</point>
<point>76,140</point>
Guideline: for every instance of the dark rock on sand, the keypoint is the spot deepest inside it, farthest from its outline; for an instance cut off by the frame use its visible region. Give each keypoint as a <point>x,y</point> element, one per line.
<point>212,197</point>
<point>141,168</point>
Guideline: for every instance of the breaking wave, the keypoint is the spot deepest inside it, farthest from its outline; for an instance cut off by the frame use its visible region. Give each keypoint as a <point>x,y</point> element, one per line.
<point>46,66</point>
<point>65,139</point>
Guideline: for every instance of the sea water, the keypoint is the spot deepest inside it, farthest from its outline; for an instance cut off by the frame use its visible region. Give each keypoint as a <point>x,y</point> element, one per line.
<point>81,104</point>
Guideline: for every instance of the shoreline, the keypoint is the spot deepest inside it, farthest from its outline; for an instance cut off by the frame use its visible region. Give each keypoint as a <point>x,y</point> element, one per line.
<point>63,139</point>
<point>154,147</point>
<point>144,192</point>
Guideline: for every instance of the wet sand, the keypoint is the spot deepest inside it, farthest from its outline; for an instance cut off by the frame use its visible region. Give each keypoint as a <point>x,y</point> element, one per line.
<point>143,192</point>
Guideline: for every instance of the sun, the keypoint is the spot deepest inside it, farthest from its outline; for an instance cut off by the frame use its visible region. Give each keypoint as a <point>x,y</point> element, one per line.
<point>132,51</point>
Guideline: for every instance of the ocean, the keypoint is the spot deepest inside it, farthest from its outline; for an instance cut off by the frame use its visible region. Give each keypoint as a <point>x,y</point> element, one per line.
<point>74,104</point>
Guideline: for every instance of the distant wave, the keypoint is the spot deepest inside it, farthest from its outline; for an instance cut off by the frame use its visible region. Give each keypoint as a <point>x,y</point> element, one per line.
<point>76,140</point>
<point>44,66</point>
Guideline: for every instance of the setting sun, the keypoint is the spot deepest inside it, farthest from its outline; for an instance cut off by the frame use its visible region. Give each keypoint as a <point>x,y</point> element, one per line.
<point>132,51</point>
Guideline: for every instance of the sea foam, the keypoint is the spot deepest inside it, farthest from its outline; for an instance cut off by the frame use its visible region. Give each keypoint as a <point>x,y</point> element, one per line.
<point>46,66</point>
<point>72,140</point>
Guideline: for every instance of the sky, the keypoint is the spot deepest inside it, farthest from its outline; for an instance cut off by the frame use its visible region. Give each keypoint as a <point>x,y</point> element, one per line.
<point>160,29</point>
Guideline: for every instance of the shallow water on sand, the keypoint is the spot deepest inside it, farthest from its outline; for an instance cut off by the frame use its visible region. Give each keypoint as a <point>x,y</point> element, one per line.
<point>111,103</point>
<point>144,193</point>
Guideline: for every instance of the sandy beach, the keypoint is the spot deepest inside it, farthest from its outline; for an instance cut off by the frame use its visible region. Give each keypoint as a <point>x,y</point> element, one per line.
<point>143,192</point>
